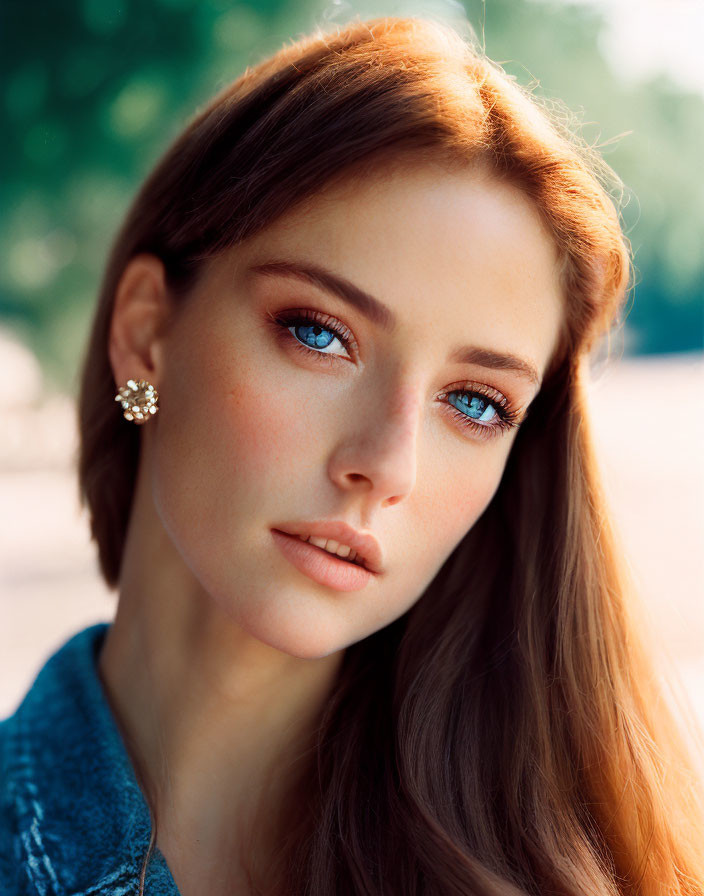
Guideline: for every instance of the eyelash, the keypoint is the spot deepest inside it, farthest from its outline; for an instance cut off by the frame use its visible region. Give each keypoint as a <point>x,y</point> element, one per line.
<point>506,417</point>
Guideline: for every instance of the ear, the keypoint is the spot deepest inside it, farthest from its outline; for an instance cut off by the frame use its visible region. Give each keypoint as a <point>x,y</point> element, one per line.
<point>139,319</point>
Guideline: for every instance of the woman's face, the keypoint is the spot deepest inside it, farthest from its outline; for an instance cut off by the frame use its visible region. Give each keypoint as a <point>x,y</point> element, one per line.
<point>287,396</point>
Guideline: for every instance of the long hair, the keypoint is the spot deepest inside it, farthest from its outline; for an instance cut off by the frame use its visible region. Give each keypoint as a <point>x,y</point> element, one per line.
<point>508,734</point>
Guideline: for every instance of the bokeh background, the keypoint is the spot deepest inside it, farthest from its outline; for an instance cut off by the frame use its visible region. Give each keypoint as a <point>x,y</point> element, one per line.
<point>92,92</point>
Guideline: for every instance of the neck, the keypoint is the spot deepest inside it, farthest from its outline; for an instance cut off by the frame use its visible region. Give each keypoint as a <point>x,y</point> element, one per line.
<point>217,722</point>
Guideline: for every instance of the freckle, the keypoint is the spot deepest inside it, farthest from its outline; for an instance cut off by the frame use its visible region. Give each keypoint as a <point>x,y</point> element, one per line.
<point>237,396</point>
<point>265,428</point>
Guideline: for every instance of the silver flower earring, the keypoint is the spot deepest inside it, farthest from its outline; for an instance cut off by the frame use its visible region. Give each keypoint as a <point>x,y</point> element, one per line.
<point>138,400</point>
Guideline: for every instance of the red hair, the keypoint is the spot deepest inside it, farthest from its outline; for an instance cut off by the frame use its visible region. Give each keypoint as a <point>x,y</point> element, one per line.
<point>508,733</point>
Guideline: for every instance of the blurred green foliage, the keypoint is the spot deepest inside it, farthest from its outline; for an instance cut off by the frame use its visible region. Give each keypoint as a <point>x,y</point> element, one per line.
<point>94,90</point>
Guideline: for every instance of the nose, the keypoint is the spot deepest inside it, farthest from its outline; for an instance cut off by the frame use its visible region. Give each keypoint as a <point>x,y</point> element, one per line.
<point>377,457</point>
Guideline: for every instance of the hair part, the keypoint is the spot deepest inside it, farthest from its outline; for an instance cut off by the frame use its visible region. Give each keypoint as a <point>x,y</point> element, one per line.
<point>507,734</point>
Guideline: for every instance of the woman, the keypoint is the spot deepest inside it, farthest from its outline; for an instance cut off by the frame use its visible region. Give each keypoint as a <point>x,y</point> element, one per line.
<point>355,303</point>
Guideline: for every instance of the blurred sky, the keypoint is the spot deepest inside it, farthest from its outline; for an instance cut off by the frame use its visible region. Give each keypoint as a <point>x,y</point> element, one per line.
<point>647,37</point>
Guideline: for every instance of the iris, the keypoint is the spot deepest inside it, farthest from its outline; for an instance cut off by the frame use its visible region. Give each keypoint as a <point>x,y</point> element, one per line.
<point>315,336</point>
<point>473,405</point>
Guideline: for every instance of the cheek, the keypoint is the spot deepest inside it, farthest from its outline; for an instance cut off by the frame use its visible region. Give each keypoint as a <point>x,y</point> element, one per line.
<point>453,496</point>
<point>227,456</point>
<point>269,431</point>
<point>447,501</point>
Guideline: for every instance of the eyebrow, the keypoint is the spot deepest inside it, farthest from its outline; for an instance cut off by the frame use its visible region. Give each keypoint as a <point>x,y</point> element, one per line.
<point>384,317</point>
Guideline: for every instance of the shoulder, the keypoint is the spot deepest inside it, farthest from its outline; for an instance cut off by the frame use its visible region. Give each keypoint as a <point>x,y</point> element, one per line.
<point>13,880</point>
<point>36,766</point>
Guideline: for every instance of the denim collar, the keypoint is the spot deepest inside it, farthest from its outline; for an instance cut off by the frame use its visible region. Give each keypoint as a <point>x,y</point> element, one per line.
<point>82,818</point>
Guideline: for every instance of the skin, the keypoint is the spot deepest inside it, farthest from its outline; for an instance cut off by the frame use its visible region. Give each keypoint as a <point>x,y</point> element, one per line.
<point>222,653</point>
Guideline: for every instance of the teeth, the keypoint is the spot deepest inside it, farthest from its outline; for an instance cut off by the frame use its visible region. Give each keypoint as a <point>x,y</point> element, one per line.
<point>332,547</point>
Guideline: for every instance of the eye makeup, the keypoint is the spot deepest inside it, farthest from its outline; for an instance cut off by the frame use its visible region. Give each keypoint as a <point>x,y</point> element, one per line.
<point>484,411</point>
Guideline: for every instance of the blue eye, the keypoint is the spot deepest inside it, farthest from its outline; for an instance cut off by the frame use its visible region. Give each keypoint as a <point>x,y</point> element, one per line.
<point>476,406</point>
<point>312,334</point>
<point>485,414</point>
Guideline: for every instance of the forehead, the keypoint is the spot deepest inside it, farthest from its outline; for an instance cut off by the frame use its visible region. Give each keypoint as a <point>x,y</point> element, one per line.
<point>443,248</point>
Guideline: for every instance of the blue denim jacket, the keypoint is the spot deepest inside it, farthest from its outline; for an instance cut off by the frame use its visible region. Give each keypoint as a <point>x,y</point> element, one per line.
<point>73,818</point>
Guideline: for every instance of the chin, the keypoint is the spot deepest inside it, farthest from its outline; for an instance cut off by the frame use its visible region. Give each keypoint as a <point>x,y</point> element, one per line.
<point>302,635</point>
<point>303,647</point>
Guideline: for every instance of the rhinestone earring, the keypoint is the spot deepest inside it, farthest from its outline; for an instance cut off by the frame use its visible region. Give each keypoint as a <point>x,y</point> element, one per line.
<point>138,400</point>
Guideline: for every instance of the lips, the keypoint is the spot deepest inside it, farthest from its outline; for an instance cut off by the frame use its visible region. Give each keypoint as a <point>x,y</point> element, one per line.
<point>321,566</point>
<point>333,547</point>
<point>366,546</point>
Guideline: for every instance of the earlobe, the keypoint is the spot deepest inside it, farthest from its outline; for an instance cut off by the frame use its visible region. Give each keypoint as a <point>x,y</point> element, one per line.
<point>140,314</point>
